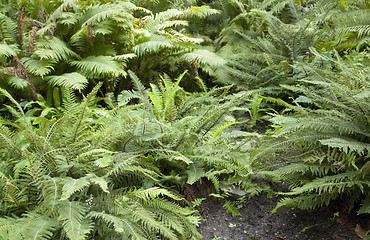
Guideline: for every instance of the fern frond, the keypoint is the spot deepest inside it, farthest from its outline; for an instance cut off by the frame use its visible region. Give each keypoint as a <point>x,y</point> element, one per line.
<point>230,208</point>
<point>336,183</point>
<point>205,59</point>
<point>72,80</point>
<point>38,67</point>
<point>141,91</point>
<point>61,11</point>
<point>347,145</point>
<point>10,97</point>
<point>73,218</point>
<point>120,224</point>
<point>194,173</point>
<point>54,50</point>
<point>152,47</point>
<point>307,201</point>
<point>8,29</point>
<point>221,128</point>
<point>18,83</point>
<point>157,100</point>
<point>365,206</point>
<point>201,11</point>
<point>125,168</point>
<point>73,185</point>
<point>7,139</point>
<point>302,169</point>
<point>363,30</point>
<point>106,11</point>
<point>163,16</point>
<point>126,96</point>
<point>99,67</point>
<point>51,193</point>
<point>124,57</point>
<point>35,226</point>
<point>87,101</point>
<point>7,50</point>
<point>147,219</point>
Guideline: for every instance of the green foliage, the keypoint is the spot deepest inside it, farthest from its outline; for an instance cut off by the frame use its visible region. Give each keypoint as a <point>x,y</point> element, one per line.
<point>48,44</point>
<point>90,158</point>
<point>162,42</point>
<point>73,80</point>
<point>264,40</point>
<point>331,129</point>
<point>66,181</point>
<point>185,135</point>
<point>74,176</point>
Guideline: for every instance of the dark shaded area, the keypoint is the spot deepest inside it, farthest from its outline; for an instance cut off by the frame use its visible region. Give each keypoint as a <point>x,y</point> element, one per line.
<point>199,189</point>
<point>257,222</point>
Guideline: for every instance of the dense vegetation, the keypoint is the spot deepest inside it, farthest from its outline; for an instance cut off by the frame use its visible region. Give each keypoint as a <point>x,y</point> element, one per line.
<point>113,110</point>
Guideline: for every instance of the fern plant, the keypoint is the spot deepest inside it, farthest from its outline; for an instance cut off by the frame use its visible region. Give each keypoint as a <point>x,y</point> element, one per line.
<point>164,44</point>
<point>51,44</point>
<point>259,46</point>
<point>329,123</point>
<point>185,135</point>
<point>72,44</point>
<point>264,39</point>
<point>351,27</point>
<point>64,179</point>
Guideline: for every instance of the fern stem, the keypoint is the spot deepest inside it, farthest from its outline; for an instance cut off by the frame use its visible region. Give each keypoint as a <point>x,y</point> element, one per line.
<point>362,110</point>
<point>23,71</point>
<point>160,144</point>
<point>144,127</point>
<point>9,186</point>
<point>78,125</point>
<point>216,121</point>
<point>21,15</point>
<point>180,140</point>
<point>35,176</point>
<point>160,126</point>
<point>69,170</point>
<point>84,110</point>
<point>29,194</point>
<point>50,132</point>
<point>127,141</point>
<point>5,225</point>
<point>101,168</point>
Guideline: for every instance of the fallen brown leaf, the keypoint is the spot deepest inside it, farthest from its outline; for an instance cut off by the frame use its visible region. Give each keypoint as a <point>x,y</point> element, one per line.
<point>360,231</point>
<point>280,237</point>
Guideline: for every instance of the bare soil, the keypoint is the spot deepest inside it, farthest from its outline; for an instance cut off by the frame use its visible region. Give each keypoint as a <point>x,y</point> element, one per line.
<point>257,222</point>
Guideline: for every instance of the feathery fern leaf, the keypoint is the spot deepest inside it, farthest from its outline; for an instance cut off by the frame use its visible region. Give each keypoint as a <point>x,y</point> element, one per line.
<point>72,215</point>
<point>7,50</point>
<point>53,50</point>
<point>98,67</point>
<point>73,80</point>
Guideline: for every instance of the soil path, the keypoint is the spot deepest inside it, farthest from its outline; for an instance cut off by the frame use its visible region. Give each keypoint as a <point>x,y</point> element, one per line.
<point>257,222</point>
